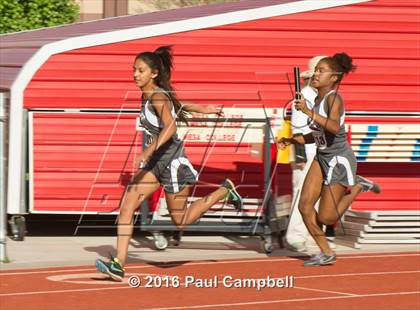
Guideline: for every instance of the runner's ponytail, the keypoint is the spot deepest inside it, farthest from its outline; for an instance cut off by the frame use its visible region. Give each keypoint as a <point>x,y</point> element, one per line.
<point>161,61</point>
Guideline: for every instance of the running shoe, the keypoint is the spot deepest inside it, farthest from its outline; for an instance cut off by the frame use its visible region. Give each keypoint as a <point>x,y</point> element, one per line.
<point>113,268</point>
<point>320,259</point>
<point>233,196</point>
<point>368,185</point>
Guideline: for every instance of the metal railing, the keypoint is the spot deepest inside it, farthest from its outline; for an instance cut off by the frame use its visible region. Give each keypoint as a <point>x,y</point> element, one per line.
<point>3,215</point>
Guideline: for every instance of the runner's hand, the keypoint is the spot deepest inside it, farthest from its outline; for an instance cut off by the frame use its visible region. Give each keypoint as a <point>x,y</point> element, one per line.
<point>140,161</point>
<point>212,109</point>
<point>300,104</point>
<point>282,143</point>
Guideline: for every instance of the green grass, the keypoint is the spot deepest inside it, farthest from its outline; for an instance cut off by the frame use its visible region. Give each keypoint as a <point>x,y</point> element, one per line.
<point>6,261</point>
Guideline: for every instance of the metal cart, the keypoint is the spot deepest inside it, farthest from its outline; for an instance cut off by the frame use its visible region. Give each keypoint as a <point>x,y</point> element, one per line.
<point>263,223</point>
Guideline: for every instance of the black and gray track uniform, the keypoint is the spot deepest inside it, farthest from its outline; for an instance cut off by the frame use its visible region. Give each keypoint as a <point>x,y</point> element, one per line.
<point>168,163</point>
<point>334,154</point>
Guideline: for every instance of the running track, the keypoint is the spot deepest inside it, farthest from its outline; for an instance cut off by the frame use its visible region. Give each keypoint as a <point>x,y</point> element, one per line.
<point>365,281</point>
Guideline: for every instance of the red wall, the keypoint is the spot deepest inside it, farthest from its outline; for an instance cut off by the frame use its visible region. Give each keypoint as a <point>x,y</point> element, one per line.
<point>382,36</point>
<point>241,65</point>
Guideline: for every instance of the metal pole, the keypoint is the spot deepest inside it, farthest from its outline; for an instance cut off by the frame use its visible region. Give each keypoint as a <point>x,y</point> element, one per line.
<point>24,164</point>
<point>3,216</point>
<point>267,156</point>
<point>144,207</point>
<point>267,185</point>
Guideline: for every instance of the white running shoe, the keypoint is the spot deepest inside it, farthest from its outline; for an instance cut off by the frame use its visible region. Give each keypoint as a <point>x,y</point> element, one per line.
<point>368,185</point>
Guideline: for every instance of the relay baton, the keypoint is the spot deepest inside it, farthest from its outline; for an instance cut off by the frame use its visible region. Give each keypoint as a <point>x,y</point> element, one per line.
<point>296,72</point>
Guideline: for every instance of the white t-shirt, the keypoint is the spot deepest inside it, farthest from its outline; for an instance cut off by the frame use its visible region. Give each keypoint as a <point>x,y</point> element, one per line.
<point>300,119</point>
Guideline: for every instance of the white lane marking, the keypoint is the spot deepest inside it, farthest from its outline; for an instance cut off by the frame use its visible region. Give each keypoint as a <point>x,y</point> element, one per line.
<point>282,301</point>
<point>356,274</point>
<point>93,278</point>
<point>323,291</point>
<point>182,284</point>
<point>205,263</point>
<point>66,291</point>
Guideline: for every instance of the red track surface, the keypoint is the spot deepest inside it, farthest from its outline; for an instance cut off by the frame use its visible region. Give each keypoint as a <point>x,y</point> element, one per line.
<point>366,281</point>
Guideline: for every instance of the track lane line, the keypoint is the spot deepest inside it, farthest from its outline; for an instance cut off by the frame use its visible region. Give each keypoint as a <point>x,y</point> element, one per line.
<point>356,274</point>
<point>66,291</point>
<point>323,291</point>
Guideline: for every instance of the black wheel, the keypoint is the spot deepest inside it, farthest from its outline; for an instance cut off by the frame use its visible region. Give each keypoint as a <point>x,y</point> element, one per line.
<point>18,227</point>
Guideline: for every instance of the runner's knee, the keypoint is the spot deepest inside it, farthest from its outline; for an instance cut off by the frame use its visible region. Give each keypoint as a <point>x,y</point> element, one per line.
<point>306,206</point>
<point>178,219</point>
<point>129,206</point>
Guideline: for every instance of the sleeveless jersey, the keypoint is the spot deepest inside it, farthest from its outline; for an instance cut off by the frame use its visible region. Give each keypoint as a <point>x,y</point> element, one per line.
<point>152,125</point>
<point>334,154</point>
<point>169,162</point>
<point>325,141</point>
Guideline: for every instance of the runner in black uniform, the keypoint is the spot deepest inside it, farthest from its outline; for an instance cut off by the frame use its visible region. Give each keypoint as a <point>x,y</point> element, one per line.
<point>333,170</point>
<point>163,161</point>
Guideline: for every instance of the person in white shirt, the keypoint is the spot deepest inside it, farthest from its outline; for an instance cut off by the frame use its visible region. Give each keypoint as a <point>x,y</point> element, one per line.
<point>297,233</point>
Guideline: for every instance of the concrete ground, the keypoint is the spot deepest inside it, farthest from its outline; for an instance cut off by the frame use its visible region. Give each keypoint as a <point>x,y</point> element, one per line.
<point>55,251</point>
